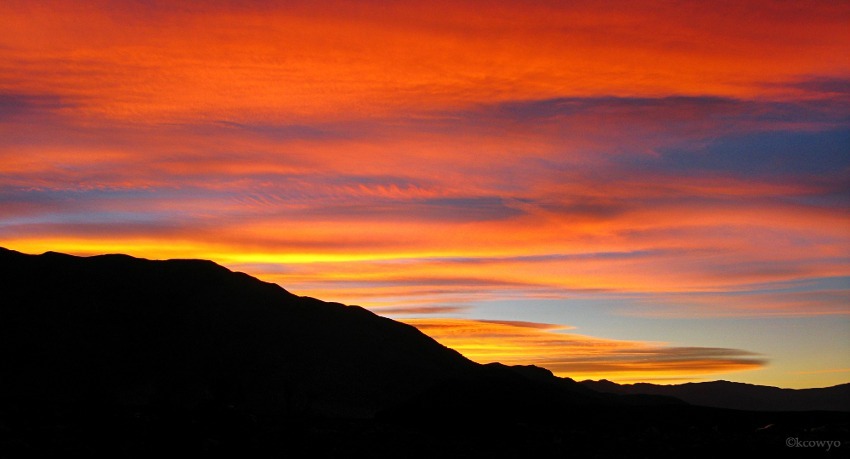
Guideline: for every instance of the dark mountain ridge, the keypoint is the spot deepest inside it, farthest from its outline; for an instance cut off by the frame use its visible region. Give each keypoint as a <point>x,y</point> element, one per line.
<point>118,330</point>
<point>740,396</point>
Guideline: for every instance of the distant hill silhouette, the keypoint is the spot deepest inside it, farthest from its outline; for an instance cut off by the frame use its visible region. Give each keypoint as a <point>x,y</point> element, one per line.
<point>135,357</point>
<point>740,396</point>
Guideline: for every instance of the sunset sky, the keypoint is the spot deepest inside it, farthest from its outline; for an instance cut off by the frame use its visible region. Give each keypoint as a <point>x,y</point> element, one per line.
<point>639,191</point>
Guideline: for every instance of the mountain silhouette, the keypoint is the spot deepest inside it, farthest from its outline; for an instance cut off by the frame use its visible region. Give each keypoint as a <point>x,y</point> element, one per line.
<point>740,396</point>
<point>117,329</point>
<point>124,356</point>
<point>113,329</point>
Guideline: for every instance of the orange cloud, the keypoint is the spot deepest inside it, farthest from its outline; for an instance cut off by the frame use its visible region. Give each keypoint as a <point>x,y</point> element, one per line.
<point>322,60</point>
<point>579,356</point>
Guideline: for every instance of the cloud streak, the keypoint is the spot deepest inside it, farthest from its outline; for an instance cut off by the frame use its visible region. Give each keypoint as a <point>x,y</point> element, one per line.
<point>580,356</point>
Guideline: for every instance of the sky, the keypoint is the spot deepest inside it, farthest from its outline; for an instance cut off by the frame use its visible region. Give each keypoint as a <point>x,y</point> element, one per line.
<point>647,191</point>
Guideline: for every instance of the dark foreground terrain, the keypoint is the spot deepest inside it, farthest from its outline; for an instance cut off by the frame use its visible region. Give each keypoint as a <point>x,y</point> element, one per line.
<point>213,430</point>
<point>117,356</point>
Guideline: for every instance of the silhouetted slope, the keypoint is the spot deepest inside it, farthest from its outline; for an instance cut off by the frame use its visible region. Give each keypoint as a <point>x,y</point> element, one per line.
<point>500,394</point>
<point>568,385</point>
<point>725,394</point>
<point>494,394</point>
<point>116,329</point>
